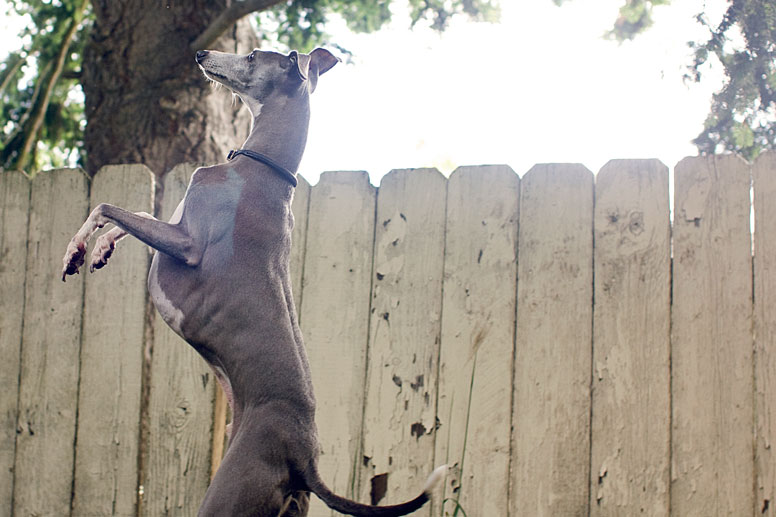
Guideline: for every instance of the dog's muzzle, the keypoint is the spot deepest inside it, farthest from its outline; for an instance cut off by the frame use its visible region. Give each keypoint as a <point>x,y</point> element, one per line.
<point>201,54</point>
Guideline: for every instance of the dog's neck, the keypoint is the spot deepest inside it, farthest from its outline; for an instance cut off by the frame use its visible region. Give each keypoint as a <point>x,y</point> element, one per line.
<point>279,129</point>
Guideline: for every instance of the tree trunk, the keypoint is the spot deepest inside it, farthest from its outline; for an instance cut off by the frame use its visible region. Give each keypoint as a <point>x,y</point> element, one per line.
<point>146,99</point>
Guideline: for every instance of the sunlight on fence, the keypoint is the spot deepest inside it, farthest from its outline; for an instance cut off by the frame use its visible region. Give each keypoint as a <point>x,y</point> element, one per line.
<point>558,339</point>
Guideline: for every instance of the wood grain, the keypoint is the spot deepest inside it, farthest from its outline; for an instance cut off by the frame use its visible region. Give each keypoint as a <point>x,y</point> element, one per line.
<point>631,360</point>
<point>335,320</point>
<point>478,326</point>
<point>112,357</point>
<point>14,216</point>
<point>764,181</point>
<point>299,207</point>
<point>712,387</point>
<point>551,450</point>
<point>404,333</point>
<point>51,343</point>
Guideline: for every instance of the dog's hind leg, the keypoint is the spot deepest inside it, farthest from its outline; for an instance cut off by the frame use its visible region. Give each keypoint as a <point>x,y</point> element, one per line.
<point>252,480</point>
<point>296,504</point>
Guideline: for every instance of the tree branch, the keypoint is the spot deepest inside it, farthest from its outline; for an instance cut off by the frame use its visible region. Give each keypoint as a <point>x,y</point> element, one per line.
<point>38,111</point>
<point>227,18</point>
<point>13,63</point>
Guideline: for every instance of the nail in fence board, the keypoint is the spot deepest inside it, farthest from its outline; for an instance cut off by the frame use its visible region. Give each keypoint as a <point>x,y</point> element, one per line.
<point>764,177</point>
<point>478,324</point>
<point>180,407</point>
<point>400,411</point>
<point>550,462</point>
<point>51,345</point>
<point>335,319</point>
<point>712,339</point>
<point>112,356</point>
<point>14,215</point>
<point>631,357</point>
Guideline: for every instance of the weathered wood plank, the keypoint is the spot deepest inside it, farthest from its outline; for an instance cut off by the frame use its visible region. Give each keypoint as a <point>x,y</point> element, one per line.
<point>299,207</point>
<point>180,407</point>
<point>550,463</point>
<point>335,319</point>
<point>400,411</point>
<point>764,179</point>
<point>631,418</point>
<point>711,339</point>
<point>478,326</point>
<point>14,216</point>
<point>112,357</point>
<point>51,343</point>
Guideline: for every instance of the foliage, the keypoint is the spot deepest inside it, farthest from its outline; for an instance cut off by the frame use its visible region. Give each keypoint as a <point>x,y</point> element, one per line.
<point>31,82</point>
<point>742,118</point>
<point>743,113</point>
<point>42,104</point>
<point>45,37</point>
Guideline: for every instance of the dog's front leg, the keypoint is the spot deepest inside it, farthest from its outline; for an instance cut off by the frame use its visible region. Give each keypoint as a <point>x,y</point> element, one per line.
<point>106,244</point>
<point>171,239</point>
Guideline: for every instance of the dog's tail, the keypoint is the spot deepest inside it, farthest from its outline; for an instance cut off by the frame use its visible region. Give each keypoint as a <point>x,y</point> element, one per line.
<point>349,507</point>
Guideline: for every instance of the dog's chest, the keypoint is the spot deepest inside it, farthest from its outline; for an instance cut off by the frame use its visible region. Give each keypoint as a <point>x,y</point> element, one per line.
<point>208,214</point>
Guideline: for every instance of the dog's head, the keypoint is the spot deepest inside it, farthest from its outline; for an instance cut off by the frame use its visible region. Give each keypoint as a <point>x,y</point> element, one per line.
<point>257,76</point>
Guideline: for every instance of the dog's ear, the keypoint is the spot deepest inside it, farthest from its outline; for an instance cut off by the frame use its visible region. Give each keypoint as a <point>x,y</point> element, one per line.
<point>311,66</point>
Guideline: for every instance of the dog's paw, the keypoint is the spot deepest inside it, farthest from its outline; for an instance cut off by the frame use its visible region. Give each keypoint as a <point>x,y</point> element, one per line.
<point>74,258</point>
<point>102,251</point>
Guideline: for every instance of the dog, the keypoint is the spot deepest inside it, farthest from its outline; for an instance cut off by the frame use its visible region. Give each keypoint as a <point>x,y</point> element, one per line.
<point>220,279</point>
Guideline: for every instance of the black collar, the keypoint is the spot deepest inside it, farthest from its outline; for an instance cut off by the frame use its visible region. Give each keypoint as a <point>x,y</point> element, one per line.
<point>266,160</point>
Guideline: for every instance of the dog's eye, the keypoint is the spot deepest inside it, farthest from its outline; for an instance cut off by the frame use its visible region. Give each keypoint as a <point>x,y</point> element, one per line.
<point>251,55</point>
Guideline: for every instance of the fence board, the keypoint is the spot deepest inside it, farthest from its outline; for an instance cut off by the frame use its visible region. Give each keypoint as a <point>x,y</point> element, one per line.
<point>335,319</point>
<point>14,216</point>
<point>764,178</point>
<point>400,411</point>
<point>112,358</point>
<point>550,463</point>
<point>299,207</point>
<point>631,360</point>
<point>180,407</point>
<point>712,339</point>
<point>478,324</point>
<point>51,344</point>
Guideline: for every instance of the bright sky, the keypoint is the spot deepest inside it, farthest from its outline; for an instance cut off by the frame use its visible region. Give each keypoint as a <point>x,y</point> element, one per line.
<point>541,86</point>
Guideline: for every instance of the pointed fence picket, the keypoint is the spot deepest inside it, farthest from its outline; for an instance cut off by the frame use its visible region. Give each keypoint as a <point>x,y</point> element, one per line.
<point>764,186</point>
<point>14,216</point>
<point>558,339</point>
<point>404,336</point>
<point>551,411</point>
<point>50,349</point>
<point>114,327</point>
<point>335,319</point>
<point>711,339</point>
<point>631,412</point>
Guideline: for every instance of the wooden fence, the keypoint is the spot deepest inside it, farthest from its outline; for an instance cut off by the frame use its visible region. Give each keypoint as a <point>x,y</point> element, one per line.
<point>555,338</point>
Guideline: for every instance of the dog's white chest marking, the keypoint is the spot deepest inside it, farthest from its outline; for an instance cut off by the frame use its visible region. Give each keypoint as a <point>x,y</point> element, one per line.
<point>171,314</point>
<point>177,214</point>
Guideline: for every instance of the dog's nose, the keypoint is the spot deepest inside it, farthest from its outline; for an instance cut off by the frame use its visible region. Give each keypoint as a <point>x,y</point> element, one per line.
<point>201,55</point>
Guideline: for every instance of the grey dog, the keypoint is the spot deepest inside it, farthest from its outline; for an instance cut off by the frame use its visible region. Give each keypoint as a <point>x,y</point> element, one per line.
<point>220,279</point>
